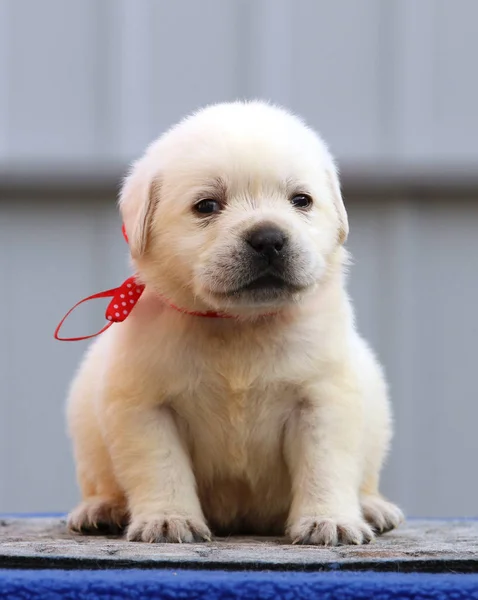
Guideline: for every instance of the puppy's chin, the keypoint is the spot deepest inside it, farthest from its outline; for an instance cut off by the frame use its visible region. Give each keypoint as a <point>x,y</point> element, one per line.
<point>241,291</point>
<point>266,293</point>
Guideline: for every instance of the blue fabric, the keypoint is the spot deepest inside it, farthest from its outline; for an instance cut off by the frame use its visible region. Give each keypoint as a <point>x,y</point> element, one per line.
<point>220,585</point>
<point>30,515</point>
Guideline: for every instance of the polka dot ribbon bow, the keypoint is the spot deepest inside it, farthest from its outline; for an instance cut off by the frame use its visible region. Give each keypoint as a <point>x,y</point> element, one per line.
<point>123,300</point>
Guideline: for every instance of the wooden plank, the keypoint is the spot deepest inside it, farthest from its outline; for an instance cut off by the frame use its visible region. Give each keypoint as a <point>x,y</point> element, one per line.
<point>434,101</point>
<point>335,77</point>
<point>5,64</point>
<point>131,69</point>
<point>51,80</point>
<point>195,48</point>
<point>425,546</point>
<point>57,261</point>
<point>368,180</point>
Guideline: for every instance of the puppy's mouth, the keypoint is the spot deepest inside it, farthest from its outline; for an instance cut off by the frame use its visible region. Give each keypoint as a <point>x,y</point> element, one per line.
<point>265,287</point>
<point>265,282</point>
<point>245,283</point>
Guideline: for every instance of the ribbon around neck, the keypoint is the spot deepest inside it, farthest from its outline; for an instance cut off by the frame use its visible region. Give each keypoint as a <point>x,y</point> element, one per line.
<point>123,300</point>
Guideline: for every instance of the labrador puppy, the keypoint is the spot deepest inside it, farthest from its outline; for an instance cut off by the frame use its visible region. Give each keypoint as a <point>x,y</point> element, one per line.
<point>237,397</point>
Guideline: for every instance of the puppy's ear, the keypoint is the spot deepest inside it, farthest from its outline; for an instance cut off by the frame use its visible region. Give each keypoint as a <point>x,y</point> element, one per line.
<point>137,202</point>
<point>334,183</point>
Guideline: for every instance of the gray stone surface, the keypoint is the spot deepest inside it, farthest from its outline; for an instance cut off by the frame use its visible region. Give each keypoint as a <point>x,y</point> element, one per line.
<point>419,545</point>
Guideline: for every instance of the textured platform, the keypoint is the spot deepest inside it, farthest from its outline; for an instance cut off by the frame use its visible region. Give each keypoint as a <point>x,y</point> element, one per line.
<point>419,546</point>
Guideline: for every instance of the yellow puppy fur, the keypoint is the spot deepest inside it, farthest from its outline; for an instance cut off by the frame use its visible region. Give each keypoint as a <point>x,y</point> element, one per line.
<point>274,420</point>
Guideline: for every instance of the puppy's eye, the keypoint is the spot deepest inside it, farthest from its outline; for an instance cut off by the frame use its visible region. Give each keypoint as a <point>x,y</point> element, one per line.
<point>301,201</point>
<point>207,207</point>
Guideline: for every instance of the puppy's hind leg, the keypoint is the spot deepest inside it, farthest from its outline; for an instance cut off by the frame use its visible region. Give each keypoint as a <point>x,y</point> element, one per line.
<point>103,508</point>
<point>379,513</point>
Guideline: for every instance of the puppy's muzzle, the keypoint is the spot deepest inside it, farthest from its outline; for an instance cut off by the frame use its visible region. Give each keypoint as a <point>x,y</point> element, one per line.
<point>263,267</point>
<point>268,243</point>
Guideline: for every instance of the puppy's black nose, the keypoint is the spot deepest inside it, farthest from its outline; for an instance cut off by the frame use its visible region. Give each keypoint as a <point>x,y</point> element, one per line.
<point>268,241</point>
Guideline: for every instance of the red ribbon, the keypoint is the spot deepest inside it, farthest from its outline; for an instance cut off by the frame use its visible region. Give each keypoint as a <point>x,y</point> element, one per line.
<point>124,299</point>
<point>125,235</point>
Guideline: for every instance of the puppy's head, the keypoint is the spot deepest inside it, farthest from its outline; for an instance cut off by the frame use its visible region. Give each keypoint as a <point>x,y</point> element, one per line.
<point>238,208</point>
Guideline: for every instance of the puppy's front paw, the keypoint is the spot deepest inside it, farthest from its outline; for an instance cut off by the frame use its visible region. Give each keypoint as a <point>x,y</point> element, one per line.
<point>330,531</point>
<point>168,528</point>
<point>382,515</point>
<point>98,515</point>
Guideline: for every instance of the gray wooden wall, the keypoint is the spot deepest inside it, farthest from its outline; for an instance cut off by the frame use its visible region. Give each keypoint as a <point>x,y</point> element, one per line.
<point>90,82</point>
<point>85,85</point>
